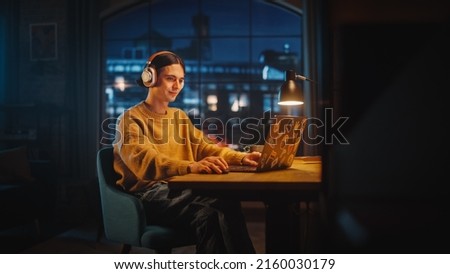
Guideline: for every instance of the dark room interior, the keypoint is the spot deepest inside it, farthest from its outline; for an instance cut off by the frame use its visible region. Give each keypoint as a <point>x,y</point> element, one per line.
<point>381,67</point>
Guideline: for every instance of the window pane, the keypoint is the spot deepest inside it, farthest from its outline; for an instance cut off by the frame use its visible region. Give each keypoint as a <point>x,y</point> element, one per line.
<point>227,17</point>
<point>123,49</point>
<point>130,23</point>
<point>272,19</point>
<point>235,52</point>
<point>230,50</point>
<point>173,18</point>
<point>275,55</point>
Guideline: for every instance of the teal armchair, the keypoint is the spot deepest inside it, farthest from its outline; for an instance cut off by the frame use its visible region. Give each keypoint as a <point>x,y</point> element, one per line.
<point>124,218</point>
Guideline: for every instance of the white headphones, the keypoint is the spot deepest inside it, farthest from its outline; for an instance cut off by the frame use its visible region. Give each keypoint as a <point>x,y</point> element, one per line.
<point>149,75</point>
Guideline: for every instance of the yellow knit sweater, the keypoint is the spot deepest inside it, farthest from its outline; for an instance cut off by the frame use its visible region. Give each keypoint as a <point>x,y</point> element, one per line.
<point>150,147</point>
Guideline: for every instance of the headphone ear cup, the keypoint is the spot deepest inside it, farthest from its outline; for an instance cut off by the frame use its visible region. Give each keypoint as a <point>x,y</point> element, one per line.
<point>149,77</point>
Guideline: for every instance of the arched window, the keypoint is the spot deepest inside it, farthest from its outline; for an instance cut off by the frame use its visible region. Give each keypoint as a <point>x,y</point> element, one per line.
<point>235,51</point>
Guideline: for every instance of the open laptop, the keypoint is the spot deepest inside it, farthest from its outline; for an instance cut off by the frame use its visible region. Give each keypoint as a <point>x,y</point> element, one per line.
<point>280,147</point>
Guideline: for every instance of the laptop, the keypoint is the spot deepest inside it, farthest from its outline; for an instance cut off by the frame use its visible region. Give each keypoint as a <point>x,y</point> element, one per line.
<point>280,147</point>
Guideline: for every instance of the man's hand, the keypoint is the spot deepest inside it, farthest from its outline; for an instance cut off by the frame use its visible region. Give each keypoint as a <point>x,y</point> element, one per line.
<point>211,164</point>
<point>251,159</point>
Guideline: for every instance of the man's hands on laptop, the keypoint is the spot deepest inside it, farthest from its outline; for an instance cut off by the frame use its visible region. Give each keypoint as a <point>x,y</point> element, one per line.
<point>251,159</point>
<point>218,165</point>
<point>209,165</point>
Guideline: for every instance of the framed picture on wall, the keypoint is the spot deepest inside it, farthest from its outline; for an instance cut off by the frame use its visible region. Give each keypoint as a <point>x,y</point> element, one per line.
<point>43,42</point>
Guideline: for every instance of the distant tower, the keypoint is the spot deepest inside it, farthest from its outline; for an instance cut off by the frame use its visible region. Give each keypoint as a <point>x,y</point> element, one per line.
<point>201,27</point>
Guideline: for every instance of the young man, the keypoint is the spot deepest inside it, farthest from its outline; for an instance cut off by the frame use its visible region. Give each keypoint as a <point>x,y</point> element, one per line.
<point>155,141</point>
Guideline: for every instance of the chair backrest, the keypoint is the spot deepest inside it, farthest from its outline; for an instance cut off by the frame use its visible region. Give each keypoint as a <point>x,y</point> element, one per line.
<point>105,165</point>
<point>123,214</point>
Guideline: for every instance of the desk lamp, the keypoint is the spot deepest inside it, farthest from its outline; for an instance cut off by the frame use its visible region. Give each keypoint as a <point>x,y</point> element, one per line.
<point>291,94</point>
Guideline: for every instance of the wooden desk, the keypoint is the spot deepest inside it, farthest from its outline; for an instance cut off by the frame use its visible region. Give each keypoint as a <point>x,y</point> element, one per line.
<point>280,190</point>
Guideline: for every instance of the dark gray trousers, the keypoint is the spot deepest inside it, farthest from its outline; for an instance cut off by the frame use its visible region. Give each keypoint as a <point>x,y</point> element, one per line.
<point>218,224</point>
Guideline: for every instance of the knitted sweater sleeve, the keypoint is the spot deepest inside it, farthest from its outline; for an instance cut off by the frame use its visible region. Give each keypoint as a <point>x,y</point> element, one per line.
<point>206,148</point>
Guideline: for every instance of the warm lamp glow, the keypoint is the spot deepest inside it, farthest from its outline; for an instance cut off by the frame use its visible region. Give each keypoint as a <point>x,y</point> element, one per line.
<point>291,94</point>
<point>291,103</point>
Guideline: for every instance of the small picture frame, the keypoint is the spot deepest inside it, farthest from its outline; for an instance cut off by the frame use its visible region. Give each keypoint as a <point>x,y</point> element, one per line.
<point>43,41</point>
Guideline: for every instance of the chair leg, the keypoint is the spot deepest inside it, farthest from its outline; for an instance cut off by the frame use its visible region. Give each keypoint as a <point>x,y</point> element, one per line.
<point>125,249</point>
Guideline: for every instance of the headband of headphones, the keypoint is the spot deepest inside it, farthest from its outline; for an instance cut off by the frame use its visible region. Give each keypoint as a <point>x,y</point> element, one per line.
<point>153,56</point>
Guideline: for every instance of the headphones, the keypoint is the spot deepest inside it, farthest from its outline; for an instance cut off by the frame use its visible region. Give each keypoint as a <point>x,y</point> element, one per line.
<point>149,75</point>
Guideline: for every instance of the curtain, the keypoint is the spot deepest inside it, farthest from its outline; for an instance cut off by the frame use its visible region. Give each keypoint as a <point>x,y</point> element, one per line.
<point>82,98</point>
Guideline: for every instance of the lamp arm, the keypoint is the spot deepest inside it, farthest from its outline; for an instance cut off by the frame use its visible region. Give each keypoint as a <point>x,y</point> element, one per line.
<point>303,78</point>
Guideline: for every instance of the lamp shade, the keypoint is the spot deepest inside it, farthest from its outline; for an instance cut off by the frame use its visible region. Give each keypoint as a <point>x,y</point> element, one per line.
<point>290,94</point>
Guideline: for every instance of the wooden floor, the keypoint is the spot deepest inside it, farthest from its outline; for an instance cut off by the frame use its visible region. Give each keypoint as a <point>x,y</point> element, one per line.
<point>82,238</point>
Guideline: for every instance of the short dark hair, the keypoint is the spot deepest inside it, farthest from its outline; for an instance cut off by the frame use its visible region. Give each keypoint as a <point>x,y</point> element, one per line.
<point>166,59</point>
